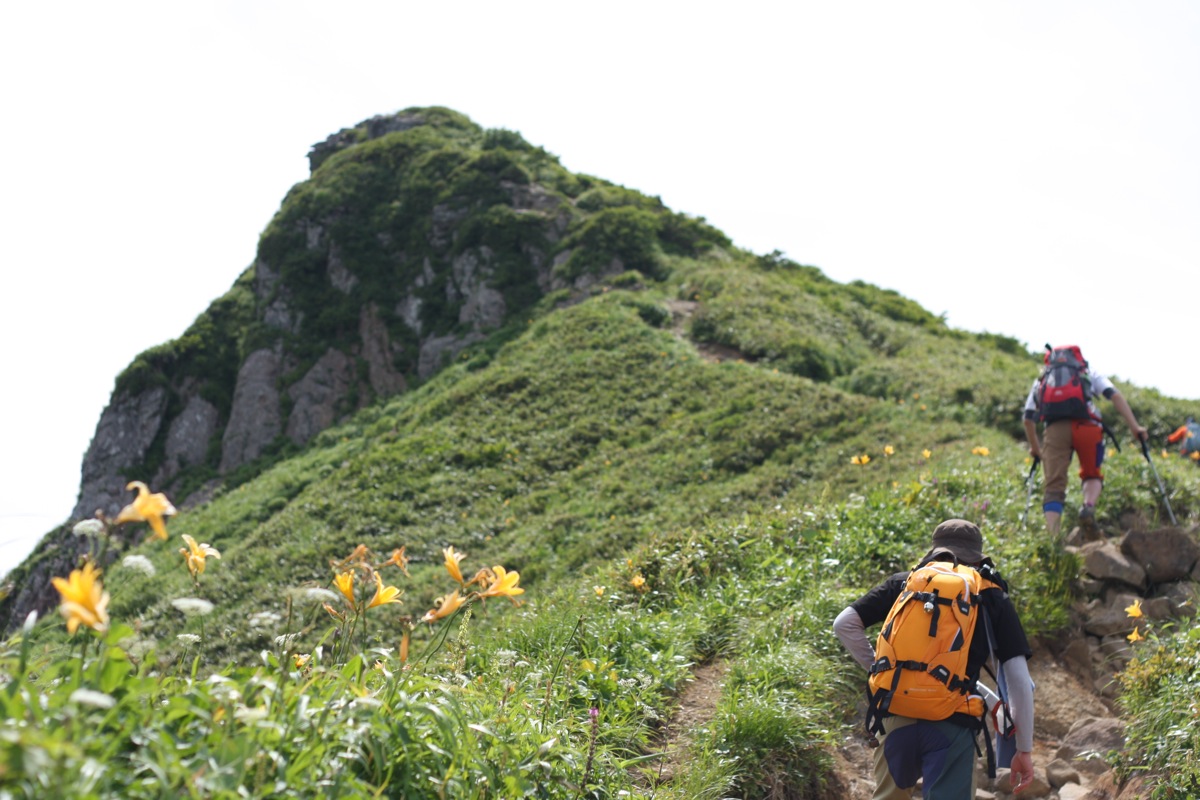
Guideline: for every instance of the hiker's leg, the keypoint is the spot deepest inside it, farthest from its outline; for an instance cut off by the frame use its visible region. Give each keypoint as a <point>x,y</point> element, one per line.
<point>900,757</point>
<point>1087,440</point>
<point>949,763</point>
<point>885,784</point>
<point>1056,458</point>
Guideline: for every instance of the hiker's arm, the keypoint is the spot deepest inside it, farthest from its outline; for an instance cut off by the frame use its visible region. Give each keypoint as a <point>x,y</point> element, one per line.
<point>851,632</point>
<point>1020,699</point>
<point>1035,447</point>
<point>1020,702</point>
<point>1126,412</point>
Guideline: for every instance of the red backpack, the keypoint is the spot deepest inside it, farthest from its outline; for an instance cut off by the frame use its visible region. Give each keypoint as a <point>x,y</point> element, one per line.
<point>1064,389</point>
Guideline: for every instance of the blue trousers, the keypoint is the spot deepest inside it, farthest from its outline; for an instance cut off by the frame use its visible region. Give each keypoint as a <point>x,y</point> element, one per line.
<point>940,753</point>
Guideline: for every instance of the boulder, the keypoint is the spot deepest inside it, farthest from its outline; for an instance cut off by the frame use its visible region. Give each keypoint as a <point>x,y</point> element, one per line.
<point>1089,740</point>
<point>1104,560</point>
<point>1166,554</point>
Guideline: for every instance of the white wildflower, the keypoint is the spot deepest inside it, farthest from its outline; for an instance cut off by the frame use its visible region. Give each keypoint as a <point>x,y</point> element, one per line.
<point>139,564</point>
<point>250,715</point>
<point>286,641</point>
<point>90,697</point>
<point>314,594</point>
<point>188,639</point>
<point>193,606</point>
<point>89,527</point>
<point>264,619</point>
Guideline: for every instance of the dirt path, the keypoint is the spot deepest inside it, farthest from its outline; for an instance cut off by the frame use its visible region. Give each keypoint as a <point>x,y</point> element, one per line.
<point>697,707</point>
<point>1060,700</point>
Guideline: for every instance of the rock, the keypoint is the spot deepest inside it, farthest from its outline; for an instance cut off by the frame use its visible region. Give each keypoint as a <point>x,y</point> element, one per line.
<point>1077,658</point>
<point>1073,791</point>
<point>1107,622</point>
<point>188,437</point>
<point>1182,597</point>
<point>254,420</point>
<point>1166,554</point>
<point>1105,560</point>
<point>1040,787</point>
<point>1089,739</point>
<point>440,350</point>
<point>316,396</point>
<point>1059,773</point>
<point>377,351</point>
<point>125,432</point>
<point>340,276</point>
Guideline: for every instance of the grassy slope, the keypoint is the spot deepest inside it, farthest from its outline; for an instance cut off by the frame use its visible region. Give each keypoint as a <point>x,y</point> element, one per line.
<point>594,446</point>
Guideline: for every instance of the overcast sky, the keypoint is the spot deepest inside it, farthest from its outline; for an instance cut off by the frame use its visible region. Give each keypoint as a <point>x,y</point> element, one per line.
<point>1026,168</point>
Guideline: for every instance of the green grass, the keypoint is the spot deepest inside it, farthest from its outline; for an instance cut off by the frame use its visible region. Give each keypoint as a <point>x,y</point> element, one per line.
<point>663,509</point>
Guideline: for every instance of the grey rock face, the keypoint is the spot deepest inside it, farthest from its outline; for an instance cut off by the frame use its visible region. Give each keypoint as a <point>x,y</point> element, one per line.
<point>254,420</point>
<point>441,350</point>
<point>125,432</point>
<point>188,437</point>
<point>377,351</point>
<point>316,395</point>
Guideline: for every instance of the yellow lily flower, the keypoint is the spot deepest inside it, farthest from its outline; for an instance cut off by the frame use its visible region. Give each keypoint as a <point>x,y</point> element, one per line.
<point>505,584</point>
<point>981,451</point>
<point>147,507</point>
<point>926,453</point>
<point>1134,610</point>
<point>383,594</point>
<point>452,559</point>
<point>404,647</point>
<point>84,601</point>
<point>196,555</point>
<point>1194,455</point>
<point>399,559</point>
<point>446,606</point>
<point>1135,636</point>
<point>599,590</point>
<point>888,450</point>
<point>344,582</point>
<point>637,581</point>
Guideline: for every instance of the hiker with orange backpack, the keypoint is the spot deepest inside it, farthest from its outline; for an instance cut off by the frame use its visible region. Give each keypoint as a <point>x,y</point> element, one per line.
<point>942,623</point>
<point>1063,399</point>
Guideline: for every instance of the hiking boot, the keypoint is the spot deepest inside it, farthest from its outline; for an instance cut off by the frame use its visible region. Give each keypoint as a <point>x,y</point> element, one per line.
<point>1087,521</point>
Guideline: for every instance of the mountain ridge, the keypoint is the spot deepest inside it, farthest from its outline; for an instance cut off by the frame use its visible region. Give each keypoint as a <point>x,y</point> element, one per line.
<point>422,241</point>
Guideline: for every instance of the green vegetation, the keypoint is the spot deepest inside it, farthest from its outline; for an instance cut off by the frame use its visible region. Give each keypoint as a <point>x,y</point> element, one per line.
<point>693,455</point>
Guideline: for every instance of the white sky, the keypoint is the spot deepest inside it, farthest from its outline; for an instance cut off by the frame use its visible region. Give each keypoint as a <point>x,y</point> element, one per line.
<point>1026,168</point>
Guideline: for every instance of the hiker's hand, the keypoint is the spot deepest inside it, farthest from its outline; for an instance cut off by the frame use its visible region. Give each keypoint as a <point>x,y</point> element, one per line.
<point>1140,433</point>
<point>1021,771</point>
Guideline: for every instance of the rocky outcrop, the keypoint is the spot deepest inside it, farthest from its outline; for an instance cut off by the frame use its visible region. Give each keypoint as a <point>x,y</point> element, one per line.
<point>124,434</point>
<point>254,421</point>
<point>316,396</point>
<point>188,438</point>
<point>379,351</point>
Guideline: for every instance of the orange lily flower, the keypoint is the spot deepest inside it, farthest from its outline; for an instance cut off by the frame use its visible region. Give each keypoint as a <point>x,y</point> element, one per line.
<point>84,601</point>
<point>452,559</point>
<point>147,507</point>
<point>344,582</point>
<point>446,606</point>
<point>399,559</point>
<point>196,555</point>
<point>383,594</point>
<point>504,585</point>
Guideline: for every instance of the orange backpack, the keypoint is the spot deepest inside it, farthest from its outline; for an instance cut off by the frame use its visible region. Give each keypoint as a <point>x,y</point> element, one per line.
<point>920,667</point>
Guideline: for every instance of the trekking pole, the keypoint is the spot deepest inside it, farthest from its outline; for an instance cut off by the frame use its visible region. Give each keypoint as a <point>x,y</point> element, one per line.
<point>1161,488</point>
<point>1029,490</point>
